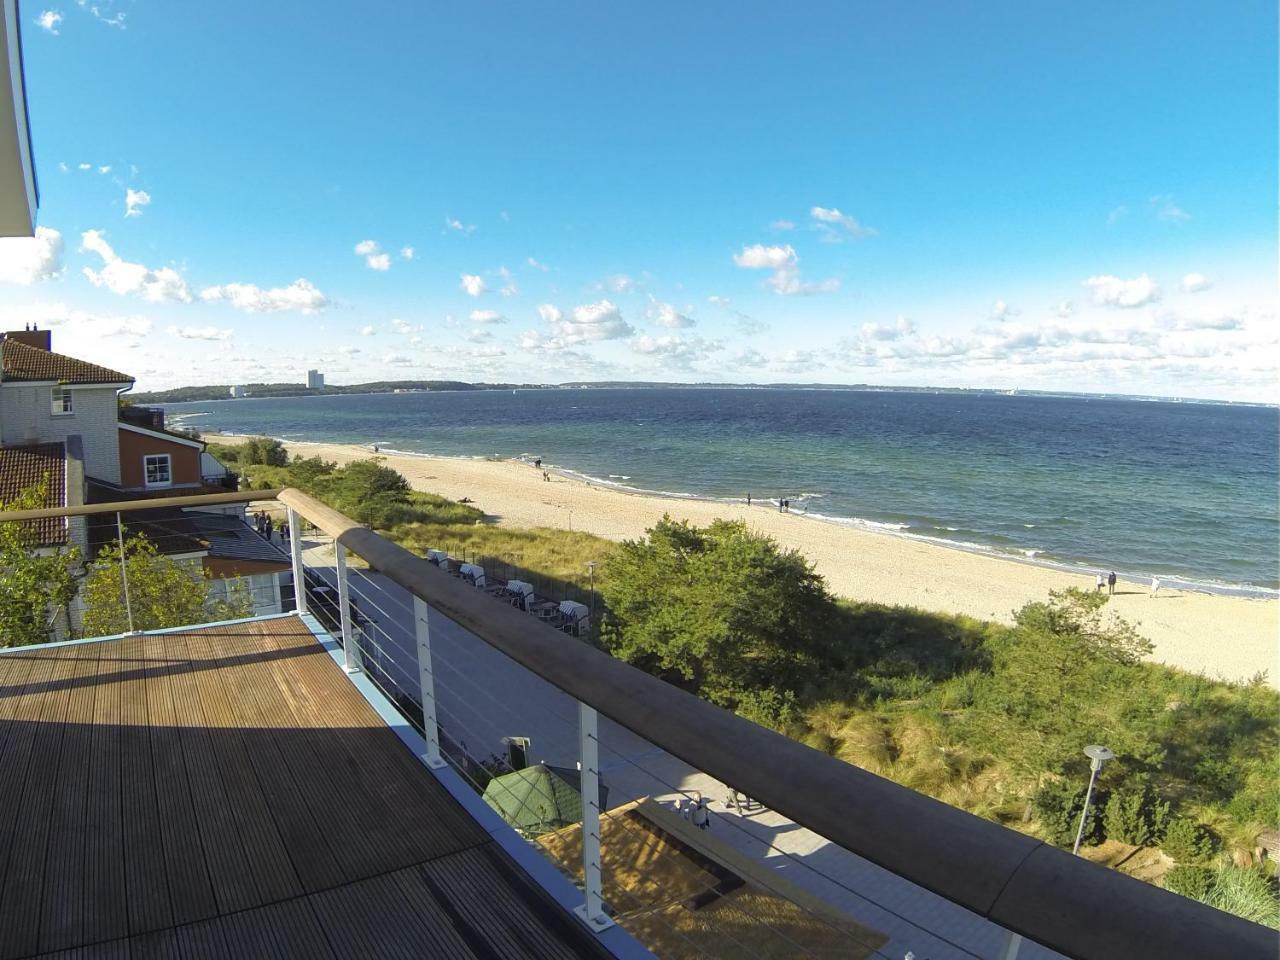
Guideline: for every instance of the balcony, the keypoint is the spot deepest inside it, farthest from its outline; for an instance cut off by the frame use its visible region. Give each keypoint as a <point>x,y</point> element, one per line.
<point>409,764</point>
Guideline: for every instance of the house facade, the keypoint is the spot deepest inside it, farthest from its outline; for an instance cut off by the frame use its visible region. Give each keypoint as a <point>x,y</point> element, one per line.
<point>62,423</point>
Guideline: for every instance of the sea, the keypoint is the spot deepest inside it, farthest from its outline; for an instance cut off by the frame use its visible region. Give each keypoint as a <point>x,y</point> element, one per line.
<point>1186,491</point>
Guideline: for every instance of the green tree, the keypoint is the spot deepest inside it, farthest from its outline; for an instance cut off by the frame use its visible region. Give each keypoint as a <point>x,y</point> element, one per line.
<point>33,586</point>
<point>265,451</point>
<point>720,610</point>
<point>1135,814</point>
<point>372,492</point>
<point>1057,804</point>
<point>1187,841</point>
<point>1064,676</point>
<point>161,593</point>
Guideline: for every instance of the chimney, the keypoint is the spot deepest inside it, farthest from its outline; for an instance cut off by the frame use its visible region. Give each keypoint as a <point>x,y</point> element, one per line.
<point>40,339</point>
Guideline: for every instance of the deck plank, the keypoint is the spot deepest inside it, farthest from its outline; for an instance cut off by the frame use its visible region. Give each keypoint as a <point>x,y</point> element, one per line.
<point>28,847</point>
<point>190,892</point>
<point>63,903</point>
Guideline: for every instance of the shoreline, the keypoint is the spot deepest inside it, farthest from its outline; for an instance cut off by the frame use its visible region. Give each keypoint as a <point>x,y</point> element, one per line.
<point>1219,633</point>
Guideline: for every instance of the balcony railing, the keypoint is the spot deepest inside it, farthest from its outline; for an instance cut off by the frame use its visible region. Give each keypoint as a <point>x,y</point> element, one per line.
<point>861,861</point>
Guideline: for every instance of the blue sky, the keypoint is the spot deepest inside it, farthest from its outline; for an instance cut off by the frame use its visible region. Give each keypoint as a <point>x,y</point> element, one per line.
<point>1003,195</point>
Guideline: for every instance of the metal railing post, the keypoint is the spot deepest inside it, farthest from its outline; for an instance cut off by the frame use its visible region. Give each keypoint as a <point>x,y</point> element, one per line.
<point>350,652</point>
<point>124,573</point>
<point>427,680</point>
<point>592,910</point>
<point>295,551</point>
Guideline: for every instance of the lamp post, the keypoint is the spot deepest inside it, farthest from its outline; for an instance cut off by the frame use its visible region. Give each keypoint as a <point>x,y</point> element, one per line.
<point>591,574</point>
<point>1098,755</point>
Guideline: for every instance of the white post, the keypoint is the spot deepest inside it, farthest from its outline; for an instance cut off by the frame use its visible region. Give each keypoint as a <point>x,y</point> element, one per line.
<point>1009,949</point>
<point>427,679</point>
<point>350,652</point>
<point>295,550</point>
<point>124,572</point>
<point>1084,814</point>
<point>592,911</point>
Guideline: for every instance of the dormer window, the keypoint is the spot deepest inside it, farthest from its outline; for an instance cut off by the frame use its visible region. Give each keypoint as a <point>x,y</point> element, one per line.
<point>157,470</point>
<point>60,402</point>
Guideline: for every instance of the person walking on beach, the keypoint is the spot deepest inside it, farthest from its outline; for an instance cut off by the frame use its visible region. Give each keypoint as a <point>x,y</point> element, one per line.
<point>1101,581</point>
<point>1111,583</point>
<point>748,499</point>
<point>537,463</point>
<point>781,504</point>
<point>1155,586</point>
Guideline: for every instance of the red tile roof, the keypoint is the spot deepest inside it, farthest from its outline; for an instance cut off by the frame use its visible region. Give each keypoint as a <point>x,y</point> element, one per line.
<point>28,466</point>
<point>25,362</point>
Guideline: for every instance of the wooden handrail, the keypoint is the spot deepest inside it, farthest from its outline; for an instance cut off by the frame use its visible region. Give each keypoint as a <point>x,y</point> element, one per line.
<point>1066,903</point>
<point>132,506</point>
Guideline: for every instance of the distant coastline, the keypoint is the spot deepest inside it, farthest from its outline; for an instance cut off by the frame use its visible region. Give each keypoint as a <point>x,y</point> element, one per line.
<point>219,392</point>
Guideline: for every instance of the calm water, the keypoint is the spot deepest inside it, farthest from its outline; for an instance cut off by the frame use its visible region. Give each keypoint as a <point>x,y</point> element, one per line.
<point>1186,491</point>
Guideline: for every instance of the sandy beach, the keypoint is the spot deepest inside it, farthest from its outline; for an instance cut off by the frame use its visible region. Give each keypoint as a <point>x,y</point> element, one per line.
<point>1233,638</point>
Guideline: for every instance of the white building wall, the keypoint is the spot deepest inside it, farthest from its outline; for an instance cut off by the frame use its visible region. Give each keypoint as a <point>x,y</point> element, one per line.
<point>25,412</point>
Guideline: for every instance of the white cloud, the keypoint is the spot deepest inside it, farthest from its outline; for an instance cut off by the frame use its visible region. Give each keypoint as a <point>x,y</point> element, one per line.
<point>300,295</point>
<point>25,260</point>
<point>116,20</point>
<point>509,287</point>
<point>134,201</point>
<point>202,333</point>
<point>374,258</point>
<point>1065,308</point>
<point>125,278</point>
<point>49,20</point>
<point>785,279</point>
<point>719,301</point>
<point>901,327</point>
<point>368,330</point>
<point>782,225</point>
<point>1001,311</point>
<point>473,284</point>
<point>401,326</point>
<point>104,170</point>
<point>1195,283</point>
<point>453,224</point>
<point>84,166</point>
<point>397,360</point>
<point>537,266</point>
<point>479,336</point>
<point>1215,321</point>
<point>348,350</point>
<point>750,358</point>
<point>407,253</point>
<point>1116,215</point>
<point>675,350</point>
<point>620,283</point>
<point>487,353</point>
<point>829,219</point>
<point>588,323</point>
<point>798,361</point>
<point>666,315</point>
<point>1111,291</point>
<point>1165,208</point>
<point>487,316</point>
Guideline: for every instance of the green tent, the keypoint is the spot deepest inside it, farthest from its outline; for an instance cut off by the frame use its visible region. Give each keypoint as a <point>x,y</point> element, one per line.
<point>539,798</point>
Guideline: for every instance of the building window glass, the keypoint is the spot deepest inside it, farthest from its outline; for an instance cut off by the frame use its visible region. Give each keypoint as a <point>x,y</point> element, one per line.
<point>60,401</point>
<point>157,469</point>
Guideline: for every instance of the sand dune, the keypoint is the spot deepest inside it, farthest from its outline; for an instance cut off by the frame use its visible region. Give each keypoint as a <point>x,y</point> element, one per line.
<point>1229,637</point>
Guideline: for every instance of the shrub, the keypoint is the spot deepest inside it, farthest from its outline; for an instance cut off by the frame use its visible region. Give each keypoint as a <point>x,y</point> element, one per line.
<point>1187,841</point>
<point>1189,880</point>
<point>1057,805</point>
<point>1246,892</point>
<point>1135,815</point>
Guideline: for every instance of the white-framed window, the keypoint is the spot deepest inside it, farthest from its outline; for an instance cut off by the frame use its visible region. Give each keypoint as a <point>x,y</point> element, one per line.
<point>60,401</point>
<point>157,470</point>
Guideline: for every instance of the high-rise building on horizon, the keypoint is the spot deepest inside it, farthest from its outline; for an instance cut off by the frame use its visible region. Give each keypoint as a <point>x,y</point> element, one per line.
<point>315,380</point>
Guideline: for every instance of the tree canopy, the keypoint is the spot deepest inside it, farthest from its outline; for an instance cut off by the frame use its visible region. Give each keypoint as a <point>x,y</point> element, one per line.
<point>33,586</point>
<point>162,593</point>
<point>720,610</point>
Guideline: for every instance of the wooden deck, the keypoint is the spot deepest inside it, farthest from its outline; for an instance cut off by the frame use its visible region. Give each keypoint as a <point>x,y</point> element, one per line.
<point>226,792</point>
